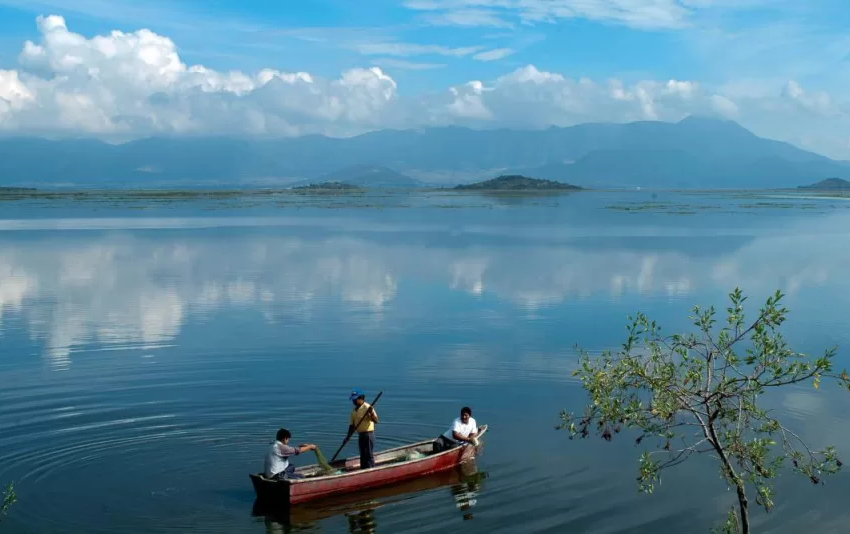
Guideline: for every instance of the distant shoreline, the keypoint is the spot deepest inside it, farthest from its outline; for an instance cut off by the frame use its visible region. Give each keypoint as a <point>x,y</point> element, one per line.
<point>178,191</point>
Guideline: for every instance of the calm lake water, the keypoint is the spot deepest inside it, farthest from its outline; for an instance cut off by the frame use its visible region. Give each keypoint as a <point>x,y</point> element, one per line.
<point>149,350</point>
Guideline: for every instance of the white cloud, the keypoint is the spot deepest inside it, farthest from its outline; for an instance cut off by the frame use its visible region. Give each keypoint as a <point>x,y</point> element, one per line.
<point>528,97</point>
<point>130,84</point>
<point>412,49</point>
<point>469,18</point>
<point>124,85</point>
<point>643,14</point>
<point>390,63</point>
<point>493,55</point>
<point>818,103</point>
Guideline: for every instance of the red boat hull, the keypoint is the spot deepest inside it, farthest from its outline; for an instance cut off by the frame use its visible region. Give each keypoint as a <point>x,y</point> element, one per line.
<point>391,467</point>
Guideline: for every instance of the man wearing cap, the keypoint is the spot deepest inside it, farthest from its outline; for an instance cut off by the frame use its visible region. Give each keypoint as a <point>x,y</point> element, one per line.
<point>364,426</point>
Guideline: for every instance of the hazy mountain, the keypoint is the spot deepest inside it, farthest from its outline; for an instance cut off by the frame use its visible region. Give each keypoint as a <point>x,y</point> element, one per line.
<point>693,153</point>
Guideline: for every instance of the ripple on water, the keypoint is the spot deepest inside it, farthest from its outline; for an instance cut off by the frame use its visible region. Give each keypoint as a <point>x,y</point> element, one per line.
<point>146,437</point>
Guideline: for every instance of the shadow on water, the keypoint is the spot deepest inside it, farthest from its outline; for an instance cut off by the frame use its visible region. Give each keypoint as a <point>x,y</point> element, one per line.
<point>464,484</point>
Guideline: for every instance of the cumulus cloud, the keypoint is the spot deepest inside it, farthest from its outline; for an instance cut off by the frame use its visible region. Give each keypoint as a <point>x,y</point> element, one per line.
<point>125,85</point>
<point>135,83</point>
<point>528,97</point>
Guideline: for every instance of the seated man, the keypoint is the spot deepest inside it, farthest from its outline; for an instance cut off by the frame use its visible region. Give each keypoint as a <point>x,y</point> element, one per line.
<point>463,430</point>
<point>277,460</point>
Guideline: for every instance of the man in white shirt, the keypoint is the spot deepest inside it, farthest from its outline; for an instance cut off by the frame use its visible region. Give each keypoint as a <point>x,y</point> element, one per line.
<point>277,459</point>
<point>463,430</point>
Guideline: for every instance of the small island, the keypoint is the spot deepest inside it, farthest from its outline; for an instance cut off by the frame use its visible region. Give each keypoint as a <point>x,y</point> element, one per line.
<point>516,182</point>
<point>830,184</point>
<point>328,186</point>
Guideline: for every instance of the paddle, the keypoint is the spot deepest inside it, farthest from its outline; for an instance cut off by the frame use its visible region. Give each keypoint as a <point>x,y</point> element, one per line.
<point>351,432</point>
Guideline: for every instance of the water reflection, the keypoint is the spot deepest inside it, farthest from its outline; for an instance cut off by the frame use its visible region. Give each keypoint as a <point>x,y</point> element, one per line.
<point>362,510</point>
<point>140,291</point>
<point>265,327</point>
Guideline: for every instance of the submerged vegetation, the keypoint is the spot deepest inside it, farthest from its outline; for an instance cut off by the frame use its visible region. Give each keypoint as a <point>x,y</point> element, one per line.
<point>9,498</point>
<point>701,393</point>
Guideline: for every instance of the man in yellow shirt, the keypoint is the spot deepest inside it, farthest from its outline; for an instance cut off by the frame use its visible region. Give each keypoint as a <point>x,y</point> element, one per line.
<point>365,429</point>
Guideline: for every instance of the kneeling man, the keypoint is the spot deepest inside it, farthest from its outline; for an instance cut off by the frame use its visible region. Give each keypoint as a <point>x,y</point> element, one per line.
<point>463,430</point>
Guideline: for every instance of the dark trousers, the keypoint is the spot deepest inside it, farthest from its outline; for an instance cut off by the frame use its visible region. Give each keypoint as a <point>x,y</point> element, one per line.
<point>443,443</point>
<point>366,443</point>
<point>287,474</point>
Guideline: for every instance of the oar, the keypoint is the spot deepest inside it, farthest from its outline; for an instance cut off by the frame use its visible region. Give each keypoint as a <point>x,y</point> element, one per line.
<point>351,432</point>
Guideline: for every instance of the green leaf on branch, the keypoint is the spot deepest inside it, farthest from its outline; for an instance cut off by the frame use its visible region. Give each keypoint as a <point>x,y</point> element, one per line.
<point>695,394</point>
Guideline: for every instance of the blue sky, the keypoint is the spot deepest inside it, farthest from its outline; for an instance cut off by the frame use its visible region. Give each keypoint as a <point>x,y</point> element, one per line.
<point>746,58</point>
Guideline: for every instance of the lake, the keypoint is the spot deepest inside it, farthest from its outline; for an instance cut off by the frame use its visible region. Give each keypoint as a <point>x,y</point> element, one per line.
<point>151,348</point>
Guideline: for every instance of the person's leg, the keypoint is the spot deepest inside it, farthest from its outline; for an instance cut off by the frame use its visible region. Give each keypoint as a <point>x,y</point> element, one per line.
<point>363,445</point>
<point>443,443</point>
<point>290,472</point>
<point>371,442</point>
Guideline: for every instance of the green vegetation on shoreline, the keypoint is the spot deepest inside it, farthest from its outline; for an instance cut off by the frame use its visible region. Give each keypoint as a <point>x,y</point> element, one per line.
<point>329,187</point>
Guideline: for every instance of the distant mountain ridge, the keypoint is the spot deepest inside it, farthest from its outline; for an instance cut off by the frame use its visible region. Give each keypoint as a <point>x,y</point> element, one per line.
<point>692,153</point>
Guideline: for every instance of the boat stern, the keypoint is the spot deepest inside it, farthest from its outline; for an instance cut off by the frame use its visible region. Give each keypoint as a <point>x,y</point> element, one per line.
<point>272,491</point>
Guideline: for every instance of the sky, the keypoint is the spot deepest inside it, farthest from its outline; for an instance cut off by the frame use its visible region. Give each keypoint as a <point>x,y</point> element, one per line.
<point>126,69</point>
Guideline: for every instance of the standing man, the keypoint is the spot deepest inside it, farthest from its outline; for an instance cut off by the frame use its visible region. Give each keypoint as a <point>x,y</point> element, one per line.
<point>365,429</point>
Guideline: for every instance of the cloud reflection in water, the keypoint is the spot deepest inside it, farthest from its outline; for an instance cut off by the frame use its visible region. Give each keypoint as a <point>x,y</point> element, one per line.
<point>141,290</point>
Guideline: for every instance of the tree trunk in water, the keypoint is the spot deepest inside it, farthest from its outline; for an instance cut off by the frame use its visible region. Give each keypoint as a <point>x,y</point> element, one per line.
<point>733,476</point>
<point>742,507</point>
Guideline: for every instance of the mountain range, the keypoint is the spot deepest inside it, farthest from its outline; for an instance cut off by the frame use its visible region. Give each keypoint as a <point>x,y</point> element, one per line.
<point>693,153</point>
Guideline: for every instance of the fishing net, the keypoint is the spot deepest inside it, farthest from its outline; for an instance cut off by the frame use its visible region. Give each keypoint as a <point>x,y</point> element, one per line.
<point>323,462</point>
<point>413,455</point>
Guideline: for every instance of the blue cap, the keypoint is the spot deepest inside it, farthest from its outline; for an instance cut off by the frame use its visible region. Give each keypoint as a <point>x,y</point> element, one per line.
<point>354,394</point>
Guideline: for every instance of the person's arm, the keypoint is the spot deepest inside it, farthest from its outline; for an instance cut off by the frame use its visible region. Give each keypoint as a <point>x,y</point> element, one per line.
<point>373,415</point>
<point>285,451</point>
<point>458,436</point>
<point>351,422</point>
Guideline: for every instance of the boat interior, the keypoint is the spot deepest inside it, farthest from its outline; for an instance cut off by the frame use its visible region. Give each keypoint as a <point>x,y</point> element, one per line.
<point>415,451</point>
<point>393,456</point>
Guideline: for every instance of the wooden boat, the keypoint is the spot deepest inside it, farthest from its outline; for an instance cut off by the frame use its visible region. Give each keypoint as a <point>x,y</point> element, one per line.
<point>391,466</point>
<point>461,479</point>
